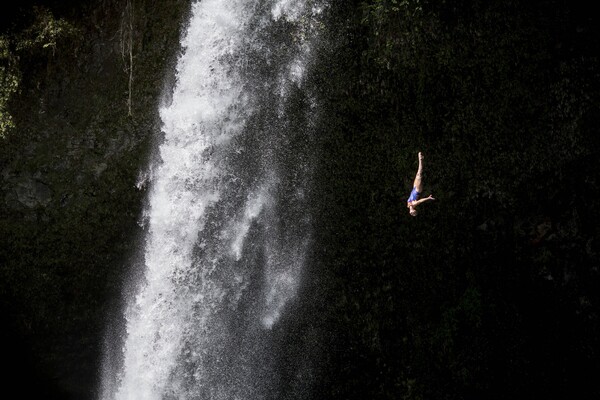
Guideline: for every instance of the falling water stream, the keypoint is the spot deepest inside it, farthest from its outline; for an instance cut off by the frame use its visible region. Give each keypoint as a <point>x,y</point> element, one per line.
<point>228,222</point>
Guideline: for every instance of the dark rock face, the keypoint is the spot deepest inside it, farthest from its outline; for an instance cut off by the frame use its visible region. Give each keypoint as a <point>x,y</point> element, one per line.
<point>69,204</point>
<point>32,193</point>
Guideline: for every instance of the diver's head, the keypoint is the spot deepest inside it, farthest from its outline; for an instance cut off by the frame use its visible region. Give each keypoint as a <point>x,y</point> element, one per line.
<point>413,211</point>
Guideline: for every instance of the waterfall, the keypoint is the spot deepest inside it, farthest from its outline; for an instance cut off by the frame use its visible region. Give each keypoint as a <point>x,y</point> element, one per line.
<point>228,221</point>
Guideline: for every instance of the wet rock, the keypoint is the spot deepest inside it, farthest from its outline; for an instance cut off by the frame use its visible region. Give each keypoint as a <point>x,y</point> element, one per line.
<point>99,169</point>
<point>32,193</point>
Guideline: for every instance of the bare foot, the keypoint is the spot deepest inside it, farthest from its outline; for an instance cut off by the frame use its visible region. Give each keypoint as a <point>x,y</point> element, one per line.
<point>420,156</point>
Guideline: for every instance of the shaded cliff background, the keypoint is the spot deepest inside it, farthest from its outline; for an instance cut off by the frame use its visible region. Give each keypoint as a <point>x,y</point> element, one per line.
<point>70,204</point>
<point>491,292</point>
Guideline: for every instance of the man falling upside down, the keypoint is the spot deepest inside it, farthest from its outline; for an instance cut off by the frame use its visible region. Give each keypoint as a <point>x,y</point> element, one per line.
<point>413,200</point>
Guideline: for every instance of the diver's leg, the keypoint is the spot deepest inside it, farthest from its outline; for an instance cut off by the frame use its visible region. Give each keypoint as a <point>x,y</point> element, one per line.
<point>417,183</point>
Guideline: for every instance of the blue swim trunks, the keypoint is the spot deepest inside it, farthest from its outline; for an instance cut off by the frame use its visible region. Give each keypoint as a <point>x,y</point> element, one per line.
<point>414,195</point>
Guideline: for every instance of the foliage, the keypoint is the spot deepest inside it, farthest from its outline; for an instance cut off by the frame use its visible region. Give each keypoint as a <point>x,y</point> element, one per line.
<point>9,84</point>
<point>46,32</point>
<point>394,24</point>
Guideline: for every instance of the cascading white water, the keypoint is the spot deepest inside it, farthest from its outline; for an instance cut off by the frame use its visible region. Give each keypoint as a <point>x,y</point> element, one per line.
<point>228,226</point>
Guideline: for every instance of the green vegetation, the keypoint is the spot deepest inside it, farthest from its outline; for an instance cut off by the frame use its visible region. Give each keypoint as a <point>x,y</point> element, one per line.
<point>47,32</point>
<point>44,34</point>
<point>9,84</point>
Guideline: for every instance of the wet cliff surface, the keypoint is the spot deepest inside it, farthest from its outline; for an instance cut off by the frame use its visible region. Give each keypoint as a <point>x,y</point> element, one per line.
<point>491,292</point>
<point>70,205</point>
